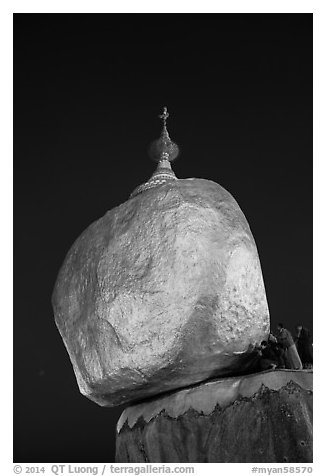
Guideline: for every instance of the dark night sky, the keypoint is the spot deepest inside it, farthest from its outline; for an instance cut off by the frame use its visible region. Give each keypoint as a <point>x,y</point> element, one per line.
<point>87,92</point>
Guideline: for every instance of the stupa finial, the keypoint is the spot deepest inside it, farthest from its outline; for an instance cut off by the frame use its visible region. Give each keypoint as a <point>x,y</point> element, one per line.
<point>164,116</point>
<point>163,148</point>
<point>163,151</point>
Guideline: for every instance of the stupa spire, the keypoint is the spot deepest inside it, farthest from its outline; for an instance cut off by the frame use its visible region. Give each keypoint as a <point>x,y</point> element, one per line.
<point>163,150</point>
<point>164,116</point>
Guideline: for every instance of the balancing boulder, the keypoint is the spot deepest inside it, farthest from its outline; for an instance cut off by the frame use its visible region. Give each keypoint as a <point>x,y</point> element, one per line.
<point>162,292</point>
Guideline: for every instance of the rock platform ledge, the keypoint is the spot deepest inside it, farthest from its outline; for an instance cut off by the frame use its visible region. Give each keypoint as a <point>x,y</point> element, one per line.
<point>264,417</point>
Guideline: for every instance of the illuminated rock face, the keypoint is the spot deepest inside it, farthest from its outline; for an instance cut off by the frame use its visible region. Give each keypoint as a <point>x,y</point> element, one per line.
<point>164,291</point>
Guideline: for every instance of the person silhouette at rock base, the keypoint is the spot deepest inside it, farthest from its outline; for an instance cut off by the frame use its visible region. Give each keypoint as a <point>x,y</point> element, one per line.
<point>268,358</point>
<point>291,356</point>
<point>304,346</point>
<point>278,350</point>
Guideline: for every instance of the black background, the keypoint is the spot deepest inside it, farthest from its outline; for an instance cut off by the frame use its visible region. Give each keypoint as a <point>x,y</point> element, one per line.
<point>87,92</point>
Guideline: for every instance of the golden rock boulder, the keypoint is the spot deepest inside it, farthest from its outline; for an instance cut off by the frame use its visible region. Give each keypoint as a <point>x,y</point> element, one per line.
<point>164,291</point>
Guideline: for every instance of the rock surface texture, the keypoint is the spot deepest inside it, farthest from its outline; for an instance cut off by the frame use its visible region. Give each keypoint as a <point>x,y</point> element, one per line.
<point>258,418</point>
<point>162,292</point>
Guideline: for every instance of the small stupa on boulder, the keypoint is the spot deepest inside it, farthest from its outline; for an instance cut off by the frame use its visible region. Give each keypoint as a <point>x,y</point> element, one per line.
<point>162,292</point>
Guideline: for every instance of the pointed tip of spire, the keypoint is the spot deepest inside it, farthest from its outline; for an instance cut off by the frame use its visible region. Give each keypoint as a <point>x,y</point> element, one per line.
<point>165,115</point>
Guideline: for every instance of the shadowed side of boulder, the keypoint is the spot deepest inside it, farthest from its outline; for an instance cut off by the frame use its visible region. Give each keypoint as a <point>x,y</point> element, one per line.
<point>270,426</point>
